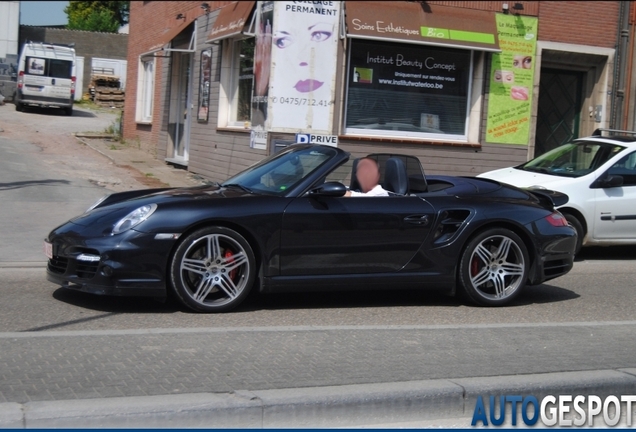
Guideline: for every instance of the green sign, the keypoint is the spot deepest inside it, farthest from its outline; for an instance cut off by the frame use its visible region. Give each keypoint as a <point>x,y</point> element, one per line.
<point>459,35</point>
<point>511,80</point>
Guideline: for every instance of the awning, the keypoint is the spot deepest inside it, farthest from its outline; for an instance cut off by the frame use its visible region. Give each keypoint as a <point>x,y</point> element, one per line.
<point>420,22</point>
<point>231,20</point>
<point>167,37</point>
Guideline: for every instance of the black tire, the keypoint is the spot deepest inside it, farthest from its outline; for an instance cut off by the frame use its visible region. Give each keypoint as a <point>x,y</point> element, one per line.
<point>213,270</point>
<point>19,107</point>
<point>580,232</point>
<point>490,275</point>
<point>68,111</point>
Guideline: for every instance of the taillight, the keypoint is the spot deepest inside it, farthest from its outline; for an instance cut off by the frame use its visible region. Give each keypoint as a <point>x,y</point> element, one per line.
<point>20,79</point>
<point>73,86</point>
<point>557,219</point>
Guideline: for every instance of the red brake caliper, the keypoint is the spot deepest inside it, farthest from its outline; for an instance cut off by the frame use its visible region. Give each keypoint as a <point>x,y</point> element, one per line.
<point>228,256</point>
<point>474,267</point>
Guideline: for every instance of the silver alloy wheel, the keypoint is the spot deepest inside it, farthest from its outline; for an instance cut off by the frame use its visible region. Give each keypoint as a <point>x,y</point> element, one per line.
<point>497,267</point>
<point>215,270</point>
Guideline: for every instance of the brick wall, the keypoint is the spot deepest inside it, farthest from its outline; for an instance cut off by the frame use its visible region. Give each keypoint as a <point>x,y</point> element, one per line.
<point>87,44</point>
<point>578,22</point>
<point>592,23</point>
<point>149,21</point>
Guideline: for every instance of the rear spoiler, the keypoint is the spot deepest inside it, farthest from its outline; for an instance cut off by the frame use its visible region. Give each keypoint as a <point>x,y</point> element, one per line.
<point>549,198</point>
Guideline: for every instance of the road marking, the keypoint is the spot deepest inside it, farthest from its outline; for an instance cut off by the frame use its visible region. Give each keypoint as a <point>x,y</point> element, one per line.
<point>10,335</point>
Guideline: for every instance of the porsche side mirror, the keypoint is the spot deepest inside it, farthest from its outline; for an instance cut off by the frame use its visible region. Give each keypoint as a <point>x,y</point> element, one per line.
<point>609,181</point>
<point>330,189</point>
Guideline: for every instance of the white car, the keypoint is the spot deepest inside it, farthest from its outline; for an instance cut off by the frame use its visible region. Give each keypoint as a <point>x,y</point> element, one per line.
<point>598,173</point>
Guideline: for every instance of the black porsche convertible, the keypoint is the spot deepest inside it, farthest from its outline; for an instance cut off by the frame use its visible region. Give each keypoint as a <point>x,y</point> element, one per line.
<point>285,225</point>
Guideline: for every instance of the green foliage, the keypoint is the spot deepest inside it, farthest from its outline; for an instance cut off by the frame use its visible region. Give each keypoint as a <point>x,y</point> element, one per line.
<point>102,16</point>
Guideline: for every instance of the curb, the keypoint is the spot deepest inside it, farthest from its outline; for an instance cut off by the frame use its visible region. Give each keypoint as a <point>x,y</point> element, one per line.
<point>315,407</point>
<point>96,149</point>
<point>94,135</point>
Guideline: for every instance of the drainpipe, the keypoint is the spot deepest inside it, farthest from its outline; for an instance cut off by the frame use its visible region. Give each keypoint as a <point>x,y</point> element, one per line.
<point>620,66</point>
<point>630,66</point>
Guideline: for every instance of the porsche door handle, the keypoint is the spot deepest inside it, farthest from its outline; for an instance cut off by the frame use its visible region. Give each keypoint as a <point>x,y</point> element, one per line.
<point>417,219</point>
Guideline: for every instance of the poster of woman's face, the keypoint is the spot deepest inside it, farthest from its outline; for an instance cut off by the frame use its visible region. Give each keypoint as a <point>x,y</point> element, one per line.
<point>35,66</point>
<point>304,48</point>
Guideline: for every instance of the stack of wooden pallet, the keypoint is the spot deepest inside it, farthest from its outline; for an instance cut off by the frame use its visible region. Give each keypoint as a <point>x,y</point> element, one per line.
<point>106,91</point>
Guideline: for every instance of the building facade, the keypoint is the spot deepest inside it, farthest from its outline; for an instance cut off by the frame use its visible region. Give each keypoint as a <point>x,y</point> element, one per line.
<point>9,19</point>
<point>465,86</point>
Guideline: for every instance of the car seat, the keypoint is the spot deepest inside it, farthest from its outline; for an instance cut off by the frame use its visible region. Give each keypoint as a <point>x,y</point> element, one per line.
<point>396,179</point>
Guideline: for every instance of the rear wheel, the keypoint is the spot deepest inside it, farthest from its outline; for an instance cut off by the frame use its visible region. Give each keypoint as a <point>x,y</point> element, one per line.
<point>213,270</point>
<point>494,267</point>
<point>19,106</point>
<point>580,232</point>
<point>68,111</point>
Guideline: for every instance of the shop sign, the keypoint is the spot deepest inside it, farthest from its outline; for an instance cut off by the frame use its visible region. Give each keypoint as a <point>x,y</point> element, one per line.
<point>512,80</point>
<point>258,139</point>
<point>434,70</point>
<point>303,66</point>
<point>331,140</point>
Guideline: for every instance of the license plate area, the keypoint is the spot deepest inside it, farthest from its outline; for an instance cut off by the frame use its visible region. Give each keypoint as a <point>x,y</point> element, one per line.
<point>48,250</point>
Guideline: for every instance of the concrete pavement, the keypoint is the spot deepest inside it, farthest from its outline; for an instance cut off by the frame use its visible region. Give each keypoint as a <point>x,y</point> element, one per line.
<point>150,171</point>
<point>300,377</point>
<point>429,403</point>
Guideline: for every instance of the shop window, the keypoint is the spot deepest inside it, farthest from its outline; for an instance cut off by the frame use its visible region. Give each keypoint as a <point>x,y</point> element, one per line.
<point>408,90</point>
<point>145,90</point>
<point>241,80</point>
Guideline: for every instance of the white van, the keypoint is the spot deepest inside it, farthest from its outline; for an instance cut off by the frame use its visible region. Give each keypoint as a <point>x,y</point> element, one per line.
<point>46,76</point>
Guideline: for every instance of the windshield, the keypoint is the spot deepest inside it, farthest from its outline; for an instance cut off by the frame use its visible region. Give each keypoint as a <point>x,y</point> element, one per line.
<point>574,159</point>
<point>280,172</point>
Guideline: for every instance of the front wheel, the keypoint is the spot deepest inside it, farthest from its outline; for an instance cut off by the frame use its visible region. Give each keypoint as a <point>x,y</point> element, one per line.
<point>494,267</point>
<point>213,270</point>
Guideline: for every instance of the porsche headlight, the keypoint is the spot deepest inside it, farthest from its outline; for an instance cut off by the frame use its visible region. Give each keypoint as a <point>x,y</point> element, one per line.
<point>96,203</point>
<point>134,218</point>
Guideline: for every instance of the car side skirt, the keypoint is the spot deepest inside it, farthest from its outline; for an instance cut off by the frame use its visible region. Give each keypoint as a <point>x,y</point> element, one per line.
<point>358,282</point>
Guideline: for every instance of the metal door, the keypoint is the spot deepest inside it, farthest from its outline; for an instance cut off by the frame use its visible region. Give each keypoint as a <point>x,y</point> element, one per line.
<point>559,109</point>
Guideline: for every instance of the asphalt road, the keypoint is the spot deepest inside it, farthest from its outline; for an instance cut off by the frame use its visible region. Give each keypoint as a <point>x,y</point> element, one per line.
<point>596,290</point>
<point>57,344</point>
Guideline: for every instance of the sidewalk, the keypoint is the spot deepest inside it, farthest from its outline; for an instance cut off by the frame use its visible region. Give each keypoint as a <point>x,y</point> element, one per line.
<point>150,171</point>
<point>318,377</point>
<point>415,404</point>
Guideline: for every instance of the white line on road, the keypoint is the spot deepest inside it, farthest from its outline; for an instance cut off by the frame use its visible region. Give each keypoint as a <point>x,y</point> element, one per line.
<point>10,335</point>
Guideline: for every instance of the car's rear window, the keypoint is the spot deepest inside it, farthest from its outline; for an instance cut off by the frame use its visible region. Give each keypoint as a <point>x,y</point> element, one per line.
<point>53,68</point>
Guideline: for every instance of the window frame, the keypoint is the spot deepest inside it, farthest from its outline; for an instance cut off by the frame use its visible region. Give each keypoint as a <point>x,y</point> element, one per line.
<point>629,180</point>
<point>230,78</point>
<point>146,89</point>
<point>380,133</point>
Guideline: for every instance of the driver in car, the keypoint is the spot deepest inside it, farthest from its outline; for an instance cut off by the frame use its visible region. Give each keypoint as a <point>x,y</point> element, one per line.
<point>368,175</point>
